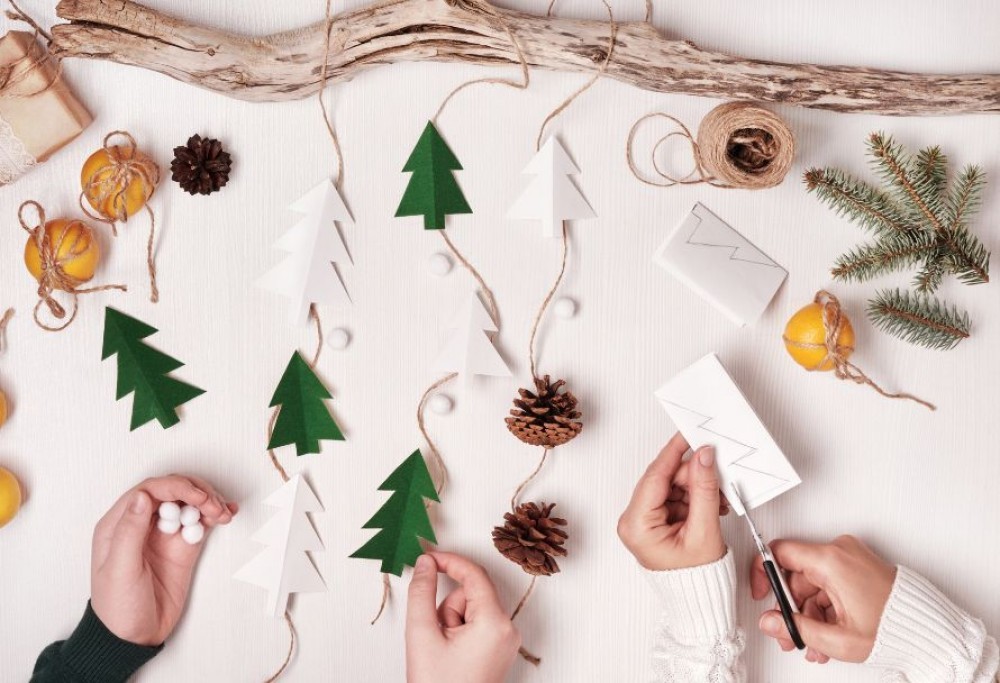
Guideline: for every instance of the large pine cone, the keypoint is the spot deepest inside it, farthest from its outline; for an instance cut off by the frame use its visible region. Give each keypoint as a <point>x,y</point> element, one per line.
<point>201,166</point>
<point>531,538</point>
<point>546,417</point>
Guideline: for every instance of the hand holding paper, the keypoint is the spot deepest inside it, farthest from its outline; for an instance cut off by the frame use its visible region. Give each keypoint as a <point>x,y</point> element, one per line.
<point>709,409</point>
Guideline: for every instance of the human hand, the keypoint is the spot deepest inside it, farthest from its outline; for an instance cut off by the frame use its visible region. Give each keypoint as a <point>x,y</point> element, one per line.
<point>139,581</point>
<point>469,638</point>
<point>672,521</point>
<point>841,589</point>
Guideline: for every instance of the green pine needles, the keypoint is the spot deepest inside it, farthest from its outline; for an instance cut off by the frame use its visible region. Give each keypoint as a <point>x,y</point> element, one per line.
<point>916,222</point>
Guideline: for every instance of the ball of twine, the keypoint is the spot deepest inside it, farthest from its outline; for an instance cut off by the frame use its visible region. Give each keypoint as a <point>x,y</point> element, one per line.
<point>739,145</point>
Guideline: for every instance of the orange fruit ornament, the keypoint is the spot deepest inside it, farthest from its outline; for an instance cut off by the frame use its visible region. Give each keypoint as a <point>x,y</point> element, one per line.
<point>10,496</point>
<point>807,331</point>
<point>118,180</point>
<point>68,247</point>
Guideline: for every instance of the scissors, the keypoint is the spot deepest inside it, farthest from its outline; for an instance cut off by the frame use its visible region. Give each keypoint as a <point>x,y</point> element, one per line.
<point>786,603</point>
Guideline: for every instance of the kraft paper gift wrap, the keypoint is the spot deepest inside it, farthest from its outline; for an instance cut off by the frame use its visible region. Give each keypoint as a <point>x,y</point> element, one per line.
<point>39,114</point>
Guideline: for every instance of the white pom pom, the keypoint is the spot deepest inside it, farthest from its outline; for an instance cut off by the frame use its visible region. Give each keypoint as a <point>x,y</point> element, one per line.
<point>170,511</point>
<point>190,515</point>
<point>193,534</point>
<point>441,404</point>
<point>439,264</point>
<point>565,307</point>
<point>338,339</point>
<point>168,526</point>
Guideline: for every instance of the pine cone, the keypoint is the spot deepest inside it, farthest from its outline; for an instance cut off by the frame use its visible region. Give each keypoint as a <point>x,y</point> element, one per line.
<point>531,538</point>
<point>201,166</point>
<point>546,417</point>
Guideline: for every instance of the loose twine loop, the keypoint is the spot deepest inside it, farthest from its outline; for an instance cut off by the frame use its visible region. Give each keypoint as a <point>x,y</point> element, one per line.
<point>836,354</point>
<point>36,59</point>
<point>738,146</point>
<point>104,189</point>
<point>52,259</point>
<point>4,321</point>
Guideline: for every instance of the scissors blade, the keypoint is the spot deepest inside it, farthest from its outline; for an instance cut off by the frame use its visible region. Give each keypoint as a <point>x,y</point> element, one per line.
<point>761,547</point>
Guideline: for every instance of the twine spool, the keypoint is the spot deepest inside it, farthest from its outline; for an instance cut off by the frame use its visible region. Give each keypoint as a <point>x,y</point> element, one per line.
<point>54,255</point>
<point>739,146</point>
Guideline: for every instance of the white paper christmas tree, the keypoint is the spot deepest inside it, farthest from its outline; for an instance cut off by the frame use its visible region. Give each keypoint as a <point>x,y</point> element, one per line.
<point>551,197</point>
<point>307,275</point>
<point>469,351</point>
<point>283,567</point>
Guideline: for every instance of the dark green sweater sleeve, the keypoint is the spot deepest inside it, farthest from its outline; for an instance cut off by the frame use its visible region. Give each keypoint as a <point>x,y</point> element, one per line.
<point>93,654</point>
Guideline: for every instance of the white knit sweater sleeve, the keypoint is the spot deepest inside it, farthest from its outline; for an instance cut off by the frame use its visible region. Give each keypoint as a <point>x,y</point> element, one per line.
<point>697,639</point>
<point>925,638</point>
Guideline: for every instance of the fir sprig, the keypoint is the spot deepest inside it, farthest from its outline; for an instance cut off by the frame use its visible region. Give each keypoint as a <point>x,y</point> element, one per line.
<point>919,319</point>
<point>917,223</point>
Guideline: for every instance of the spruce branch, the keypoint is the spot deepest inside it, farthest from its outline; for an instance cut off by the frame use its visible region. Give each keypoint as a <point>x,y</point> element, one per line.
<point>966,256</point>
<point>889,254</point>
<point>914,190</point>
<point>967,195</point>
<point>930,276</point>
<point>858,201</point>
<point>918,319</point>
<point>932,168</point>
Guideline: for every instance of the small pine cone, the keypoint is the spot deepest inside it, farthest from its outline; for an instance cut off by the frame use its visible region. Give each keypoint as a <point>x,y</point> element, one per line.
<point>201,166</point>
<point>546,417</point>
<point>531,538</point>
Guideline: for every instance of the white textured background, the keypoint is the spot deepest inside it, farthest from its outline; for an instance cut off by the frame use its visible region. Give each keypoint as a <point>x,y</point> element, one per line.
<point>921,488</point>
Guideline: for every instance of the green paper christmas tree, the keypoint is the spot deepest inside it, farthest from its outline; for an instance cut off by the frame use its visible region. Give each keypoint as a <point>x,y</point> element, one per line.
<point>403,519</point>
<point>432,191</point>
<point>144,371</point>
<point>916,221</point>
<point>303,419</point>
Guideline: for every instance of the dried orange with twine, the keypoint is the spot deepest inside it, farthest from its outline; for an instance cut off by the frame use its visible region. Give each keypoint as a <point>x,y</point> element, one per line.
<point>117,181</point>
<point>61,254</point>
<point>820,338</point>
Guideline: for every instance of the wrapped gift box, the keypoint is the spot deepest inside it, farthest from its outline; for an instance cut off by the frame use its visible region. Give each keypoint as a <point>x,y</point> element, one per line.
<point>39,114</point>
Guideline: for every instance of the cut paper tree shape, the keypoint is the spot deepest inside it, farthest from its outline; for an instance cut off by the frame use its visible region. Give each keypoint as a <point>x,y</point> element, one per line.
<point>303,419</point>
<point>551,197</point>
<point>284,567</point>
<point>709,409</point>
<point>403,519</point>
<point>721,265</point>
<point>469,351</point>
<point>307,275</point>
<point>432,191</point>
<point>144,371</point>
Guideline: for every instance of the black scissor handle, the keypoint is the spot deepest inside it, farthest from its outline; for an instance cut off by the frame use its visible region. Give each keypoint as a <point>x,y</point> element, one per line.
<point>783,603</point>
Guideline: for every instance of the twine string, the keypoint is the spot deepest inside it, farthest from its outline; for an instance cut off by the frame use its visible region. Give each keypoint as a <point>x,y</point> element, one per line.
<point>738,146</point>
<point>524,484</point>
<point>525,654</point>
<point>52,259</point>
<point>292,642</point>
<point>519,85</point>
<point>4,321</point>
<point>491,300</point>
<point>386,590</point>
<point>548,299</point>
<point>421,424</point>
<point>331,131</point>
<point>20,15</point>
<point>836,354</point>
<point>36,59</point>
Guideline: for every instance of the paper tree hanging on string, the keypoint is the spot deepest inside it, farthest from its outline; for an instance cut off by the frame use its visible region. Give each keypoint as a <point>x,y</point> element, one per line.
<point>403,519</point>
<point>432,191</point>
<point>551,197</point>
<point>144,371</point>
<point>304,419</point>
<point>284,567</point>
<point>307,275</point>
<point>469,351</point>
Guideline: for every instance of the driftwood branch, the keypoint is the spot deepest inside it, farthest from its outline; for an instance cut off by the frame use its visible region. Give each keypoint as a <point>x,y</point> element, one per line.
<point>286,66</point>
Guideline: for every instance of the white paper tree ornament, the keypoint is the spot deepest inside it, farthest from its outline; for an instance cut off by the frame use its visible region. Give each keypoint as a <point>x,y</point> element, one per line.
<point>469,351</point>
<point>284,567</point>
<point>307,275</point>
<point>551,197</point>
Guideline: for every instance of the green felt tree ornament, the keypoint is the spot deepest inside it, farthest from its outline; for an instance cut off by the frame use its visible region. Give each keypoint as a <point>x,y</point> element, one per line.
<point>143,370</point>
<point>403,519</point>
<point>303,419</point>
<point>432,191</point>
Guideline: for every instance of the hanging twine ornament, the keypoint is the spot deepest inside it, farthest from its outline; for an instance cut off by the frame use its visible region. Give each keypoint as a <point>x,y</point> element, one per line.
<point>61,254</point>
<point>117,181</point>
<point>820,338</point>
<point>739,146</point>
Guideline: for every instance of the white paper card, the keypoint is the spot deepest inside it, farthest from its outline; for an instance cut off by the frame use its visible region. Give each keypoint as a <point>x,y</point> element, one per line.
<point>709,409</point>
<point>307,275</point>
<point>468,350</point>
<point>721,266</point>
<point>551,197</point>
<point>283,567</point>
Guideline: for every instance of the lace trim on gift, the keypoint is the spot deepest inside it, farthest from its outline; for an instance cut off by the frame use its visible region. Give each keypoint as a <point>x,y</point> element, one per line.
<point>15,160</point>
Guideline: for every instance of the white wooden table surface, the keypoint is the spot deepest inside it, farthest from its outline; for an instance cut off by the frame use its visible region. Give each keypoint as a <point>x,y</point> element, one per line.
<point>921,488</point>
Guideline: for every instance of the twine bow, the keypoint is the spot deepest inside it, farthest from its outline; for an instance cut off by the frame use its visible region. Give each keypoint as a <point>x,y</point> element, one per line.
<point>837,354</point>
<point>52,275</point>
